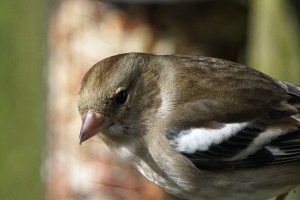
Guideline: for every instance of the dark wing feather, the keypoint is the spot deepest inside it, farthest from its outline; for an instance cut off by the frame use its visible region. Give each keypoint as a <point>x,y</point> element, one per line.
<point>224,156</point>
<point>264,103</point>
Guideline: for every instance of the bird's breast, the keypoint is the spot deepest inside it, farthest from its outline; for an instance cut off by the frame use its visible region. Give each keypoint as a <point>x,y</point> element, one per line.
<point>152,173</point>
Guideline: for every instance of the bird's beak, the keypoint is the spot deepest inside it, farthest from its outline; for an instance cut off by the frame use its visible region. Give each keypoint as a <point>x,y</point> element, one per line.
<point>91,125</point>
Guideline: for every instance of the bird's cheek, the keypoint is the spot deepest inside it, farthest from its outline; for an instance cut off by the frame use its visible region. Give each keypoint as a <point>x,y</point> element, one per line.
<point>116,130</point>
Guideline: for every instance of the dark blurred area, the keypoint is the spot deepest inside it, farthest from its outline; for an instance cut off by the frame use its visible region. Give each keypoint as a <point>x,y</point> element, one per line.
<point>47,46</point>
<point>207,27</point>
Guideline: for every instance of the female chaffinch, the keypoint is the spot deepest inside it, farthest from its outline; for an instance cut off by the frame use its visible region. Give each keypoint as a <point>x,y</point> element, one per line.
<point>201,128</point>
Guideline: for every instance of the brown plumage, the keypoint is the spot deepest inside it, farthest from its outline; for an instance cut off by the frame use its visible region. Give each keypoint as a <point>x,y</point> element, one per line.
<point>201,128</point>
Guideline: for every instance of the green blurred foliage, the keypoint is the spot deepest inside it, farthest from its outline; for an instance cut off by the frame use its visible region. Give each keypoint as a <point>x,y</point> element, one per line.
<point>21,97</point>
<point>274,39</point>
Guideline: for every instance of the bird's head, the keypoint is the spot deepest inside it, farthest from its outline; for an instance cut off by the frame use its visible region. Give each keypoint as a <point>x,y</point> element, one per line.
<point>118,96</point>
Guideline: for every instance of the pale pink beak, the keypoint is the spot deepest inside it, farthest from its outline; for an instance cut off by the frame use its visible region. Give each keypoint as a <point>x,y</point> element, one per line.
<point>91,125</point>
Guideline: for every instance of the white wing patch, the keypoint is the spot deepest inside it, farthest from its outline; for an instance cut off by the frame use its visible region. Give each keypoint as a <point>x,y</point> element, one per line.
<point>200,139</point>
<point>262,139</point>
<point>276,151</point>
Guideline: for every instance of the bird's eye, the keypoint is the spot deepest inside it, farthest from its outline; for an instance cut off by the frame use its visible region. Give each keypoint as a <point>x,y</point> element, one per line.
<point>121,97</point>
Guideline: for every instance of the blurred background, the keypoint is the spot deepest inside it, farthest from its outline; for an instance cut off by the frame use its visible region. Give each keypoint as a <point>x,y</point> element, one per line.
<point>47,46</point>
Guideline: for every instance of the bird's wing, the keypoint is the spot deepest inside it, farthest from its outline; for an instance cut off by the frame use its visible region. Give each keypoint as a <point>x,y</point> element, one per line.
<point>239,145</point>
<point>211,89</point>
<point>269,136</point>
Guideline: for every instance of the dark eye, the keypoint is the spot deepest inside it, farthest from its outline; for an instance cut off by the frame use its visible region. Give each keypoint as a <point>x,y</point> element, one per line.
<point>121,97</point>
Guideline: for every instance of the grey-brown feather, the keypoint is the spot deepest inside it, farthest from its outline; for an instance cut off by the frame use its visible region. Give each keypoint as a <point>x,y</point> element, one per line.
<point>222,91</point>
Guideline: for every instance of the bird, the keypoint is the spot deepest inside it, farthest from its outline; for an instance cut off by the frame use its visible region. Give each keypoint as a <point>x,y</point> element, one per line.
<point>201,128</point>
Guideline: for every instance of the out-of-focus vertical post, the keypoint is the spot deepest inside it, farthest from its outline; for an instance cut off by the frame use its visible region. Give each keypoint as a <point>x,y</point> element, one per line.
<point>274,43</point>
